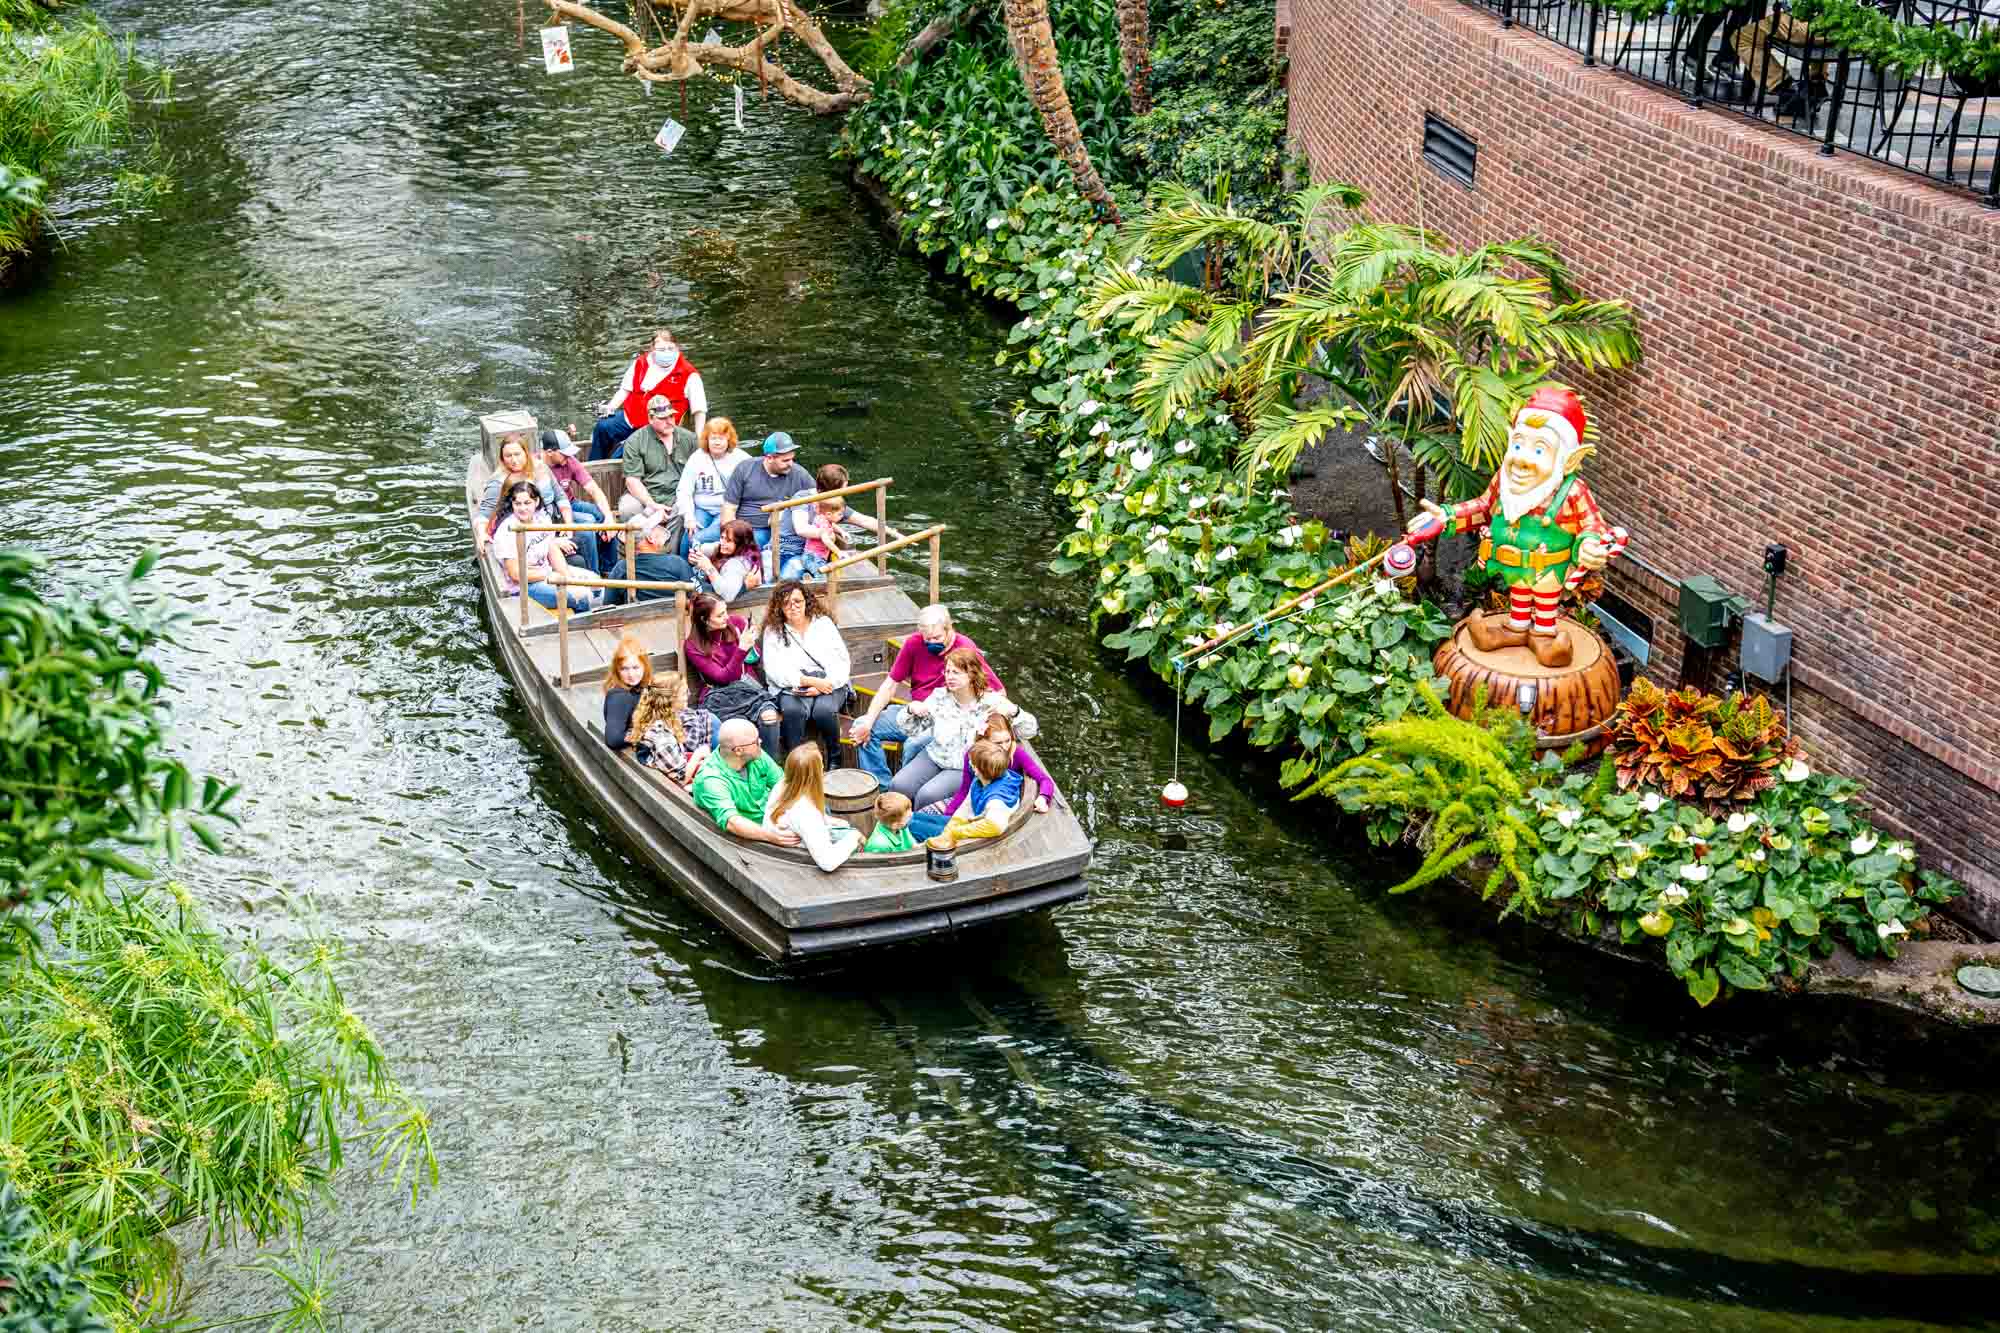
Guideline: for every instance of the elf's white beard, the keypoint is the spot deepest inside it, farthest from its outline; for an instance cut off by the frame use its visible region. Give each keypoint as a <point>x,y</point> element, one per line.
<point>1515,503</point>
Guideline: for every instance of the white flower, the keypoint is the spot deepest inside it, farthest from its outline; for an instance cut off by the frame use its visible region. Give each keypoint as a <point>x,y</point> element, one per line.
<point>1223,627</point>
<point>1627,870</point>
<point>1650,802</point>
<point>1904,851</point>
<point>1795,771</point>
<point>1281,649</point>
<point>1156,548</point>
<point>1186,486</point>
<point>1386,588</point>
<point>1083,522</point>
<point>1741,820</point>
<point>1380,680</point>
<point>1183,446</point>
<point>1143,459</point>
<point>1221,418</point>
<point>1180,414</point>
<point>1203,592</point>
<point>1089,406</point>
<point>1863,843</point>
<point>995,223</point>
<point>1135,266</point>
<point>1639,850</point>
<point>1757,854</point>
<point>1290,535</point>
<point>1157,530</point>
<point>1150,619</point>
<point>1694,872</point>
<point>1225,555</point>
<point>1884,929</point>
<point>1673,895</point>
<point>1197,502</point>
<point>1568,815</point>
<point>937,202</point>
<point>1101,428</point>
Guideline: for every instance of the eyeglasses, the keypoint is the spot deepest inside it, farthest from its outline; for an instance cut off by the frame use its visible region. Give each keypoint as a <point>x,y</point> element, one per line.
<point>741,746</point>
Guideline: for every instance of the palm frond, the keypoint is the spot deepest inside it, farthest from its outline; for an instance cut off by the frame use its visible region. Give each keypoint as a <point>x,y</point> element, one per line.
<point>1141,300</point>
<point>1284,433</point>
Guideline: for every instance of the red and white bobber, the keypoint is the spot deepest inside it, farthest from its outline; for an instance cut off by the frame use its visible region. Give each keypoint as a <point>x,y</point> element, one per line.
<point>1173,795</point>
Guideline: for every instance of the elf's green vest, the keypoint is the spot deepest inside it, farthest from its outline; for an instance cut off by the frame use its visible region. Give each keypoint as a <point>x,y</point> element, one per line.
<point>1525,539</point>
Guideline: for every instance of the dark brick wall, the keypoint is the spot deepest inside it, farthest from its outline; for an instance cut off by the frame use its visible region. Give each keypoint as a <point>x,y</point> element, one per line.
<point>1820,370</point>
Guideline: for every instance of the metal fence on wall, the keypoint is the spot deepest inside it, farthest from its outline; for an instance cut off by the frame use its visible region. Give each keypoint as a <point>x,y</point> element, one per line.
<point>1759,61</point>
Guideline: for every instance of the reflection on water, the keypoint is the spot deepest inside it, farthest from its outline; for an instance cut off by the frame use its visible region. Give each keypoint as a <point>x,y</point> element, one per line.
<point>1238,1088</point>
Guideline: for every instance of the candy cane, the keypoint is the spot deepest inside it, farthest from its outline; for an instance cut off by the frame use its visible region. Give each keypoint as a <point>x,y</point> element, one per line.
<point>1577,573</point>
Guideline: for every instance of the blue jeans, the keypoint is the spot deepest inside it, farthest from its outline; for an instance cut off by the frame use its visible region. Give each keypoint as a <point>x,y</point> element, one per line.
<point>923,826</point>
<point>888,727</point>
<point>603,546</point>
<point>804,565</point>
<point>545,594</point>
<point>711,530</point>
<point>607,437</point>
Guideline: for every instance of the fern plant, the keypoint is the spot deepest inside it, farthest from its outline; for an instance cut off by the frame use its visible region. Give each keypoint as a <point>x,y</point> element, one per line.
<point>1468,776</point>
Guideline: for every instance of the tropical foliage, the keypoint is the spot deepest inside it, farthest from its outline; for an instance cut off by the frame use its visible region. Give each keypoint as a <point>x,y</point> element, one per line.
<point>1692,744</point>
<point>1218,115</point>
<point>65,94</point>
<point>1182,546</point>
<point>155,1075</point>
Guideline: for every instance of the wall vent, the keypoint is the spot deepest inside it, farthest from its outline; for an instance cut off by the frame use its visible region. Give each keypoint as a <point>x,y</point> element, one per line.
<point>1449,150</point>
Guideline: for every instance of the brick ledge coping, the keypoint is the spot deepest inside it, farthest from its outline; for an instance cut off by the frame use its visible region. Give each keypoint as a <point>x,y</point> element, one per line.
<point>1868,182</point>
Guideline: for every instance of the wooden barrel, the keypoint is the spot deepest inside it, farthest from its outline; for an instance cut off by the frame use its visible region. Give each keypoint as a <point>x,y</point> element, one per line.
<point>850,794</point>
<point>1564,701</point>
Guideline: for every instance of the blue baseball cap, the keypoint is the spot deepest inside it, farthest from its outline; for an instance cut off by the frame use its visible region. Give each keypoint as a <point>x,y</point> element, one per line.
<point>777,442</point>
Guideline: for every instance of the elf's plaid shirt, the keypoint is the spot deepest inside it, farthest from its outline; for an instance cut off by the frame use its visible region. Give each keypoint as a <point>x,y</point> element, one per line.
<point>1578,513</point>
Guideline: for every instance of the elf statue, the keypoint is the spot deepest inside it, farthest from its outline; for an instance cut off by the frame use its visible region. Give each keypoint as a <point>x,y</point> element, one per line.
<point>1543,530</point>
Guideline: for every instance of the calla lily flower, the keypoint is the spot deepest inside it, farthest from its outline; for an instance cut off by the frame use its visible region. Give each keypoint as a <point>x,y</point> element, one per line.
<point>1695,873</point>
<point>1863,843</point>
<point>1795,771</point>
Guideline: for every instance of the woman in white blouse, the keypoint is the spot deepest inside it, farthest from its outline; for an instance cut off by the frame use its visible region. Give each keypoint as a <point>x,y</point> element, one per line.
<point>955,716</point>
<point>699,500</point>
<point>798,805</point>
<point>806,662</point>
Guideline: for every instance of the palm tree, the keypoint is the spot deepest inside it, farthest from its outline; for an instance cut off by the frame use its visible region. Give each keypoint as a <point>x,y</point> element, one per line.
<point>1035,54</point>
<point>1427,347</point>
<point>1199,349</point>
<point>1135,52</point>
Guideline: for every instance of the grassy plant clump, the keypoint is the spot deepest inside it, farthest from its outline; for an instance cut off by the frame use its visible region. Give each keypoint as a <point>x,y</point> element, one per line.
<point>65,94</point>
<point>155,1074</point>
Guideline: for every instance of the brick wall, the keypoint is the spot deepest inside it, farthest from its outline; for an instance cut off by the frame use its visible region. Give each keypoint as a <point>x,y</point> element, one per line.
<point>1819,351</point>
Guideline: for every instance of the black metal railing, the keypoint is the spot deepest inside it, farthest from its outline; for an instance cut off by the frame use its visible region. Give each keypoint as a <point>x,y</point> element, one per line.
<point>1758,61</point>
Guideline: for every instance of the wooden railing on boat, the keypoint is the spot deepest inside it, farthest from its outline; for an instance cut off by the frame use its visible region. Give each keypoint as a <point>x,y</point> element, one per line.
<point>679,589</point>
<point>880,554</point>
<point>881,488</point>
<point>521,532</point>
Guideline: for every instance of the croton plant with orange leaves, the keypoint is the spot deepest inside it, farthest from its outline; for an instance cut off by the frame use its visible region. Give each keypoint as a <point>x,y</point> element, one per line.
<point>1693,745</point>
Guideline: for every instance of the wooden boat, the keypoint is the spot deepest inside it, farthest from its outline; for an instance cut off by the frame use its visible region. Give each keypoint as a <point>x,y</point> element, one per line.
<point>774,899</point>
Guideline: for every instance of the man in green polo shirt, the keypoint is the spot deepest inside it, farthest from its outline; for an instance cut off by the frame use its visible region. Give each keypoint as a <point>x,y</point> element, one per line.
<point>734,782</point>
<point>654,456</point>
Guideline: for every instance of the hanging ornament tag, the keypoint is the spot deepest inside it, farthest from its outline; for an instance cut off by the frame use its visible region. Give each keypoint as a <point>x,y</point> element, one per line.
<point>739,106</point>
<point>711,38</point>
<point>555,50</point>
<point>670,134</point>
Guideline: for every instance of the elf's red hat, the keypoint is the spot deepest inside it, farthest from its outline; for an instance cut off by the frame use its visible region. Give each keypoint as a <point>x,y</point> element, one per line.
<point>1563,407</point>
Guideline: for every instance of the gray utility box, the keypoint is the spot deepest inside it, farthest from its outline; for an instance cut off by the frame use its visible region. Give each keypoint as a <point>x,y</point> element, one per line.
<point>1767,647</point>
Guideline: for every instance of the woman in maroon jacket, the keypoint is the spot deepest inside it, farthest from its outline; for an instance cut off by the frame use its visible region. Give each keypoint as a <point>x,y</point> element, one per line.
<point>723,657</point>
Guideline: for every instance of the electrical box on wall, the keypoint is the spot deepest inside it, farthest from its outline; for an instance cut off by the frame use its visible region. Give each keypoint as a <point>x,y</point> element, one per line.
<point>1705,609</point>
<point>1767,647</point>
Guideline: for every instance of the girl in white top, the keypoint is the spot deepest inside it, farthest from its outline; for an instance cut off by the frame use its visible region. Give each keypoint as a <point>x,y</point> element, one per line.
<point>699,501</point>
<point>805,660</point>
<point>798,805</point>
<point>957,715</point>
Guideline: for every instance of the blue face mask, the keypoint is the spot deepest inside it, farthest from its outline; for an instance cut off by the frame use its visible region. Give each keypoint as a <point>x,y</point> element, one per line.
<point>935,649</point>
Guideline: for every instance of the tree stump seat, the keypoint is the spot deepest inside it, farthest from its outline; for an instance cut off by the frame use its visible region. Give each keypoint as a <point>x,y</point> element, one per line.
<point>1566,704</point>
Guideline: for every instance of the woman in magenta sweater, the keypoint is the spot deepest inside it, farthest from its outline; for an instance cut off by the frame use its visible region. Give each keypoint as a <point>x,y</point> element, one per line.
<point>999,728</point>
<point>723,656</point>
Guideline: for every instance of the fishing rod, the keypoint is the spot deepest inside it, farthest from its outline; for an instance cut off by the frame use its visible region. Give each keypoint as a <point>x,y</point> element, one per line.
<point>1398,561</point>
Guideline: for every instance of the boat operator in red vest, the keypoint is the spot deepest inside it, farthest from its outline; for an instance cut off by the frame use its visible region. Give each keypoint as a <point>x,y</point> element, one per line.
<point>661,369</point>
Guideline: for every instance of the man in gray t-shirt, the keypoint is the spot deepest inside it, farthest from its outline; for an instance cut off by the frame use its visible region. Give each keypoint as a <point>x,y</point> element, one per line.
<point>770,479</point>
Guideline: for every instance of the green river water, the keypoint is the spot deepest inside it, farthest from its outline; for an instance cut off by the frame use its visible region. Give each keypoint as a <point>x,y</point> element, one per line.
<point>1238,1088</point>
